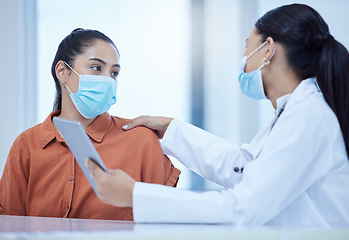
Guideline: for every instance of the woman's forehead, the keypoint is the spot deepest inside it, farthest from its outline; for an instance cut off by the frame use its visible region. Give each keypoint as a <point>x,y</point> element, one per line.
<point>254,35</point>
<point>102,50</point>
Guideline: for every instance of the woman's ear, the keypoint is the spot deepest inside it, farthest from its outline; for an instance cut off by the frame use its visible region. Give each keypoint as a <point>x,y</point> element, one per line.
<point>61,72</point>
<point>270,51</point>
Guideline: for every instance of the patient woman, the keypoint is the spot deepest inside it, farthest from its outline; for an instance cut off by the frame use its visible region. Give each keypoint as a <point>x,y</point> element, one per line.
<point>41,176</point>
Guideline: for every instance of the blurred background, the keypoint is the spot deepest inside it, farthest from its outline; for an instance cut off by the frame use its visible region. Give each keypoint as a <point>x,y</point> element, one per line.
<point>179,58</point>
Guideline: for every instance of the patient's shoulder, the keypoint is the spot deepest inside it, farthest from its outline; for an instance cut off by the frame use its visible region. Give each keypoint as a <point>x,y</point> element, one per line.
<point>142,132</point>
<point>28,134</point>
<point>24,141</point>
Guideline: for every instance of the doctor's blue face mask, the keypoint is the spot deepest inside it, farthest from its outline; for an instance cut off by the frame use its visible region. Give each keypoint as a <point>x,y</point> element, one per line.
<point>96,94</point>
<point>251,83</point>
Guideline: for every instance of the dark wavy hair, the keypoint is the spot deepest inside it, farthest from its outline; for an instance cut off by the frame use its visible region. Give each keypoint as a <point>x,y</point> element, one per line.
<point>71,46</point>
<point>312,52</point>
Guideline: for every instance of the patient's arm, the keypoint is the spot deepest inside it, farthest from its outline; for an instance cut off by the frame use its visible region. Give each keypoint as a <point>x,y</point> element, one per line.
<point>14,180</point>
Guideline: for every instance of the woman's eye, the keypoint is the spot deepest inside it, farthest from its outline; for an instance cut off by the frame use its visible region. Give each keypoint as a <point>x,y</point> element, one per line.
<point>114,74</point>
<point>96,68</point>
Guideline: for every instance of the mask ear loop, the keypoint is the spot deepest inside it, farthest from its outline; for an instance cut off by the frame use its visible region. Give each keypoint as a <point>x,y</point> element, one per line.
<point>256,50</point>
<point>268,61</point>
<point>71,68</point>
<point>73,71</point>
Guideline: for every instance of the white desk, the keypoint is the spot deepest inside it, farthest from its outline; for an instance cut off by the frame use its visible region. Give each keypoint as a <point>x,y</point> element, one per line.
<point>18,227</point>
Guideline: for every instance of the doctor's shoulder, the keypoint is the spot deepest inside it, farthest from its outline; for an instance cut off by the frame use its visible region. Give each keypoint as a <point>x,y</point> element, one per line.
<point>320,112</point>
<point>310,115</point>
<point>315,126</point>
<point>313,108</point>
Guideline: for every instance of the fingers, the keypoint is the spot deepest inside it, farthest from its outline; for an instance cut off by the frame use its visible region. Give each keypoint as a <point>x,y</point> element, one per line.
<point>114,171</point>
<point>136,122</point>
<point>95,170</point>
<point>115,188</point>
<point>158,124</point>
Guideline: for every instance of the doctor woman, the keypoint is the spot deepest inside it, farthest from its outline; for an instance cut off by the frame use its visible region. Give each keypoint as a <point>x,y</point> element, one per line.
<point>295,172</point>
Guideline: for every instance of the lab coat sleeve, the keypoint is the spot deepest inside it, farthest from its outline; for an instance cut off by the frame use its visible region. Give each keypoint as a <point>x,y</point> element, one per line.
<point>207,155</point>
<point>154,203</point>
<point>294,157</point>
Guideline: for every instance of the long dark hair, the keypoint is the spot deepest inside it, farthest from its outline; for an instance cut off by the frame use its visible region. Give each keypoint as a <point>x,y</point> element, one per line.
<point>312,52</point>
<point>71,46</point>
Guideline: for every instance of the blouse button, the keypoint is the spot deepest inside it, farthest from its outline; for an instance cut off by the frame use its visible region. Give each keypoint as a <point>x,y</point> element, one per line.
<point>70,178</point>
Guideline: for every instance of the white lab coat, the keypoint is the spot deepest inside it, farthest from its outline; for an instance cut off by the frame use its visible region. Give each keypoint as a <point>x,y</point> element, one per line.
<point>296,174</point>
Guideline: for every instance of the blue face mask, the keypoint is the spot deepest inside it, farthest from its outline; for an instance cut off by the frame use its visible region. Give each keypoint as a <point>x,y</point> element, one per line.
<point>251,83</point>
<point>96,94</point>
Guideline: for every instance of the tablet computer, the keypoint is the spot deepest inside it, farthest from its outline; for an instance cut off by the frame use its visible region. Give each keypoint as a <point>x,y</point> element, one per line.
<point>80,145</point>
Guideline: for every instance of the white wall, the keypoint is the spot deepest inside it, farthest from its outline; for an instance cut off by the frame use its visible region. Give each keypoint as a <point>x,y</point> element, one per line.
<point>228,112</point>
<point>9,90</point>
<point>18,75</point>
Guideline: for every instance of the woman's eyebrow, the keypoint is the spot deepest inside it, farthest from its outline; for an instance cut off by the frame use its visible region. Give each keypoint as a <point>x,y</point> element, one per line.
<point>98,60</point>
<point>103,62</point>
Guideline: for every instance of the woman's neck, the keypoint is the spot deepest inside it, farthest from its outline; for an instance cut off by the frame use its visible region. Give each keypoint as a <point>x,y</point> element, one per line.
<point>281,83</point>
<point>277,93</point>
<point>279,78</point>
<point>70,112</point>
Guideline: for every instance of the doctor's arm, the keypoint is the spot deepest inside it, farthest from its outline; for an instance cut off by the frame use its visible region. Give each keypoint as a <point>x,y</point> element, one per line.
<point>151,202</point>
<point>284,170</point>
<point>200,151</point>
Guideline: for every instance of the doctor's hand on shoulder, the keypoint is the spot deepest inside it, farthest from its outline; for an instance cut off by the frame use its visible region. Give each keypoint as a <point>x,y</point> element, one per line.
<point>158,124</point>
<point>114,188</point>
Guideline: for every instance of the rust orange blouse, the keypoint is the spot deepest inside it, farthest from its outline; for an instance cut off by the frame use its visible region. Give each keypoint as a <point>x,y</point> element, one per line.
<point>42,178</point>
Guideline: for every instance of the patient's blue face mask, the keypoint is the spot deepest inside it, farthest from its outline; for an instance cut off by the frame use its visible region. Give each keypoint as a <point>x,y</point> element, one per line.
<point>251,83</point>
<point>96,94</point>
